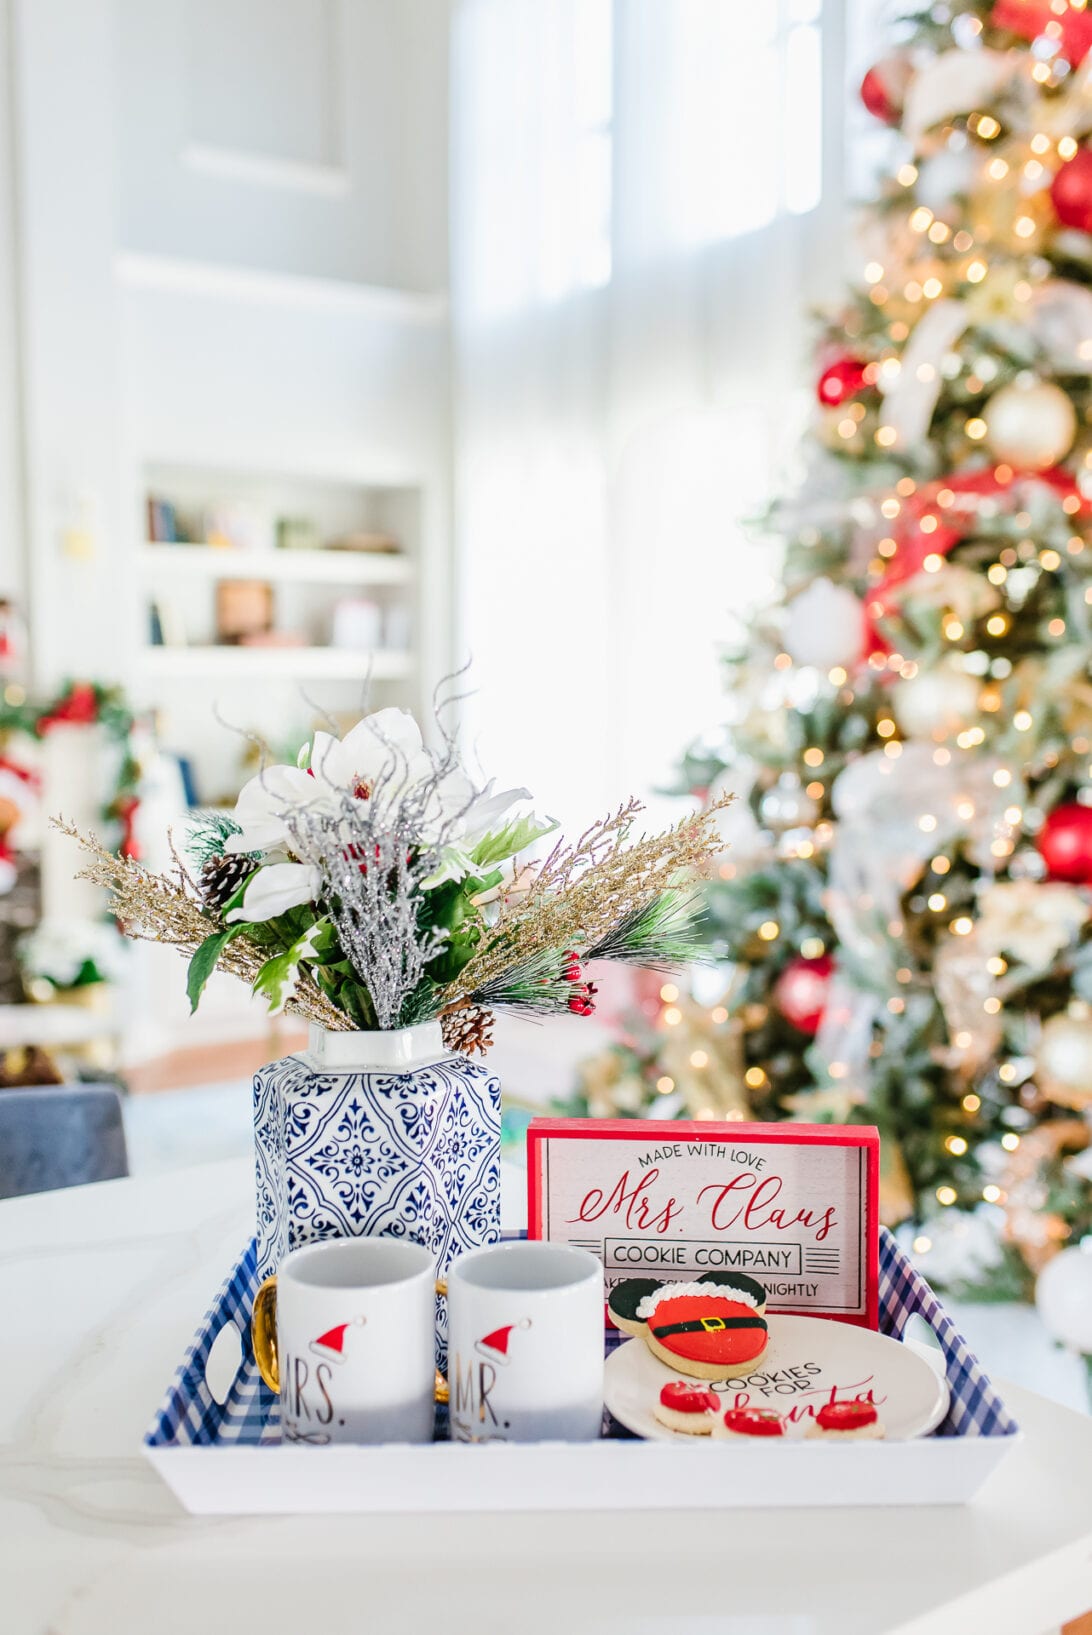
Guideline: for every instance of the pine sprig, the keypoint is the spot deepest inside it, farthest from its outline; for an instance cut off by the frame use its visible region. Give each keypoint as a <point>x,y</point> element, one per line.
<point>660,935</point>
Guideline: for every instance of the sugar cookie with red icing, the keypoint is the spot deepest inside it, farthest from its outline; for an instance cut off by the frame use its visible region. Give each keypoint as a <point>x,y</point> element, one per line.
<point>687,1408</point>
<point>748,1422</point>
<point>625,1300</point>
<point>707,1330</point>
<point>846,1422</point>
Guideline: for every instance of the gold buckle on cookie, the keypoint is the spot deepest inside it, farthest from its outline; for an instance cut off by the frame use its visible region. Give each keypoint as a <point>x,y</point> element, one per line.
<point>712,1325</point>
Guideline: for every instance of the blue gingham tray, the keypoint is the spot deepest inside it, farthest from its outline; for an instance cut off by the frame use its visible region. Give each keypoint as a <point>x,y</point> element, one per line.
<point>977,1430</point>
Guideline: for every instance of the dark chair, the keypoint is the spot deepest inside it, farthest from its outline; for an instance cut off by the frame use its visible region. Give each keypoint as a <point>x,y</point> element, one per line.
<point>60,1136</point>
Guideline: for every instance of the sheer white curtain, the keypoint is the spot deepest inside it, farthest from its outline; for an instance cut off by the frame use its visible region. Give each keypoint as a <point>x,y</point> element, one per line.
<point>636,233</point>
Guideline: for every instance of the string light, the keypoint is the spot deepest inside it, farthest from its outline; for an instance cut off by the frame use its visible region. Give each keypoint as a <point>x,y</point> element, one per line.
<point>1023,227</point>
<point>837,676</point>
<point>813,757</point>
<point>885,727</point>
<point>665,1085</point>
<point>937,902</point>
<point>815,790</point>
<point>962,927</point>
<point>933,563</point>
<point>754,1078</point>
<point>1050,560</point>
<point>940,864</point>
<point>997,966</point>
<point>669,993</point>
<point>672,1017</point>
<point>927,823</point>
<point>997,624</point>
<point>1002,777</point>
<point>992,1194</point>
<point>946,1195</point>
<point>922,1244</point>
<point>971,1103</point>
<point>963,1040</point>
<point>906,175</point>
<point>1067,148</point>
<point>991,1005</point>
<point>896,1006</point>
<point>956,1145</point>
<point>699,1058</point>
<point>976,270</point>
<point>719,1014</point>
<point>873,272</point>
<point>975,428</point>
<point>1021,720</point>
<point>769,930</point>
<point>813,947</point>
<point>1010,1142</point>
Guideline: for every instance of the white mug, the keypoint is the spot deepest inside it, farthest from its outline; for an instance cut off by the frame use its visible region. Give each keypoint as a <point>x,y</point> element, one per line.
<point>525,1344</point>
<point>345,1333</point>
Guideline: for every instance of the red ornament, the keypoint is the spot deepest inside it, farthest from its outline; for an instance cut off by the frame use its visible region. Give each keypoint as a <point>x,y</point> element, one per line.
<point>884,87</point>
<point>801,991</point>
<point>1071,32</point>
<point>842,379</point>
<point>1071,192</point>
<point>1065,844</point>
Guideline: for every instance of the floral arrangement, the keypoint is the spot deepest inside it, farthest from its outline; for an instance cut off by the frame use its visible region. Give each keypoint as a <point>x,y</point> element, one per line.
<point>375,885</point>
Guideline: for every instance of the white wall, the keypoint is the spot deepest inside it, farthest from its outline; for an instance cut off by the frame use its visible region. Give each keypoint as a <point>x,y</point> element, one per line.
<point>223,241</point>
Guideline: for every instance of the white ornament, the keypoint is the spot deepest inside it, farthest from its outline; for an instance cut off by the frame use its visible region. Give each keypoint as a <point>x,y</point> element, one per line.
<point>947,178</point>
<point>1030,427</point>
<point>825,626</point>
<point>788,805</point>
<point>1063,1061</point>
<point>935,701</point>
<point>1030,921</point>
<point>1063,1296</point>
<point>1061,321</point>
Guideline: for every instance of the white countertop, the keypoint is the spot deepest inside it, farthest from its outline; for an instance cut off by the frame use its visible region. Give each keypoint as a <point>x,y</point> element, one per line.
<point>102,1287</point>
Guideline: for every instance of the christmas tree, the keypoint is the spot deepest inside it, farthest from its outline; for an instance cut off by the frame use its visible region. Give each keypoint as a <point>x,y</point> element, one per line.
<point>902,916</point>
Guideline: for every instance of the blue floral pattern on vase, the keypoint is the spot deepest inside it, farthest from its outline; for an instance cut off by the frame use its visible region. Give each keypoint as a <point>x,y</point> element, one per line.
<point>340,1153</point>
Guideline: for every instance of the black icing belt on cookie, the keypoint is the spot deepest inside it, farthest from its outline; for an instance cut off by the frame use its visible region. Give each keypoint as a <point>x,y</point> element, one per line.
<point>707,1325</point>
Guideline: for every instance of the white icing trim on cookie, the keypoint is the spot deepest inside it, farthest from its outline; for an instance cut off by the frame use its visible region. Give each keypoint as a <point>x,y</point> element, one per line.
<point>671,1291</point>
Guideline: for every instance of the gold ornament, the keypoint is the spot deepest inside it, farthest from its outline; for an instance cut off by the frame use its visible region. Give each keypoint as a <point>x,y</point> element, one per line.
<point>1063,1061</point>
<point>1030,427</point>
<point>896,1191</point>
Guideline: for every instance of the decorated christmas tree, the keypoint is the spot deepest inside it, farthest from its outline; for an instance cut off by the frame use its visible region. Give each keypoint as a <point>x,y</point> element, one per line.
<point>901,917</point>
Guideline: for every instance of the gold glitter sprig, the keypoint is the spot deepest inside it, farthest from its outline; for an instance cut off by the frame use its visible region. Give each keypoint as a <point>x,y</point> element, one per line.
<point>155,908</point>
<point>584,889</point>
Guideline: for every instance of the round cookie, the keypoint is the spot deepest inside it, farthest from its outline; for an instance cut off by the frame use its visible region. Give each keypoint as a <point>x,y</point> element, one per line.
<point>704,1329</point>
<point>624,1299</point>
<point>846,1422</point>
<point>748,1422</point>
<point>687,1408</point>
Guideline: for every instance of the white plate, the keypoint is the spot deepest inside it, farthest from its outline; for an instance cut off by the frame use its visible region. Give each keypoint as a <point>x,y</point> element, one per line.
<point>806,1360</point>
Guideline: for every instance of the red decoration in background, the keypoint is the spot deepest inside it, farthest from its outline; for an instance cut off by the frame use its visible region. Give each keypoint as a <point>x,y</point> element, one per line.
<point>883,89</point>
<point>801,991</point>
<point>1072,30</point>
<point>125,811</point>
<point>933,520</point>
<point>78,708</point>
<point>1071,192</point>
<point>841,379</point>
<point>1065,844</point>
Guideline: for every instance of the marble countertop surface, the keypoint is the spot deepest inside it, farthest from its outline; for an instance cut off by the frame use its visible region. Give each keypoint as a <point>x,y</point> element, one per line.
<point>101,1289</point>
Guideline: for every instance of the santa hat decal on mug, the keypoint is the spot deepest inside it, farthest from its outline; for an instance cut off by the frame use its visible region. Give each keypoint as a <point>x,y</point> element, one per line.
<point>494,1346</point>
<point>331,1345</point>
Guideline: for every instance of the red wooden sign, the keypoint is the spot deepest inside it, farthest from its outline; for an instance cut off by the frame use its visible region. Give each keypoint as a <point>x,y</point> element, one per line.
<point>793,1205</point>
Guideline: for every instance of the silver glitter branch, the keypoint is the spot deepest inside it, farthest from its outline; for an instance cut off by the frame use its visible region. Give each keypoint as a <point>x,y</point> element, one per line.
<point>374,855</point>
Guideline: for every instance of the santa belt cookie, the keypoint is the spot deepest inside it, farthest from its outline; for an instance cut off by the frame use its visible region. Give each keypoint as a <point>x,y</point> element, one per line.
<point>707,1329</point>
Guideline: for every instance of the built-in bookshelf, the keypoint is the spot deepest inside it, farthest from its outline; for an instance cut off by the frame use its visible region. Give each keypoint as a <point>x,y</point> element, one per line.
<point>272,600</point>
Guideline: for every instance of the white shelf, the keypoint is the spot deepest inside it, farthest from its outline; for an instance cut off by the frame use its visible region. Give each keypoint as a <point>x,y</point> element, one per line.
<point>318,567</point>
<point>288,663</point>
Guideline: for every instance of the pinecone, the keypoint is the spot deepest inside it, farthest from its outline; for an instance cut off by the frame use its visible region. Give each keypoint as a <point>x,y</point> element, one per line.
<point>468,1030</point>
<point>221,877</point>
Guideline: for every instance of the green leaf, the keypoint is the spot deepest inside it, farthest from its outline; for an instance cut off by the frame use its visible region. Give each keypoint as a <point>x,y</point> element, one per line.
<point>512,838</point>
<point>203,962</point>
<point>276,981</point>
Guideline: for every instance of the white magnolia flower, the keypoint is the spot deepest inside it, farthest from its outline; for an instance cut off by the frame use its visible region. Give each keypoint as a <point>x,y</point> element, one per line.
<point>1030,920</point>
<point>382,760</point>
<point>276,888</point>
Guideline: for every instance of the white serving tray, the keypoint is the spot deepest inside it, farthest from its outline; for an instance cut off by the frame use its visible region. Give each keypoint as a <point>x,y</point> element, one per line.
<point>220,1452</point>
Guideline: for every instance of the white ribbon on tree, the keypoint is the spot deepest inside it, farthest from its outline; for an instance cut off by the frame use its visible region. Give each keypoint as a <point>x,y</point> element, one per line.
<point>911,397</point>
<point>956,82</point>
